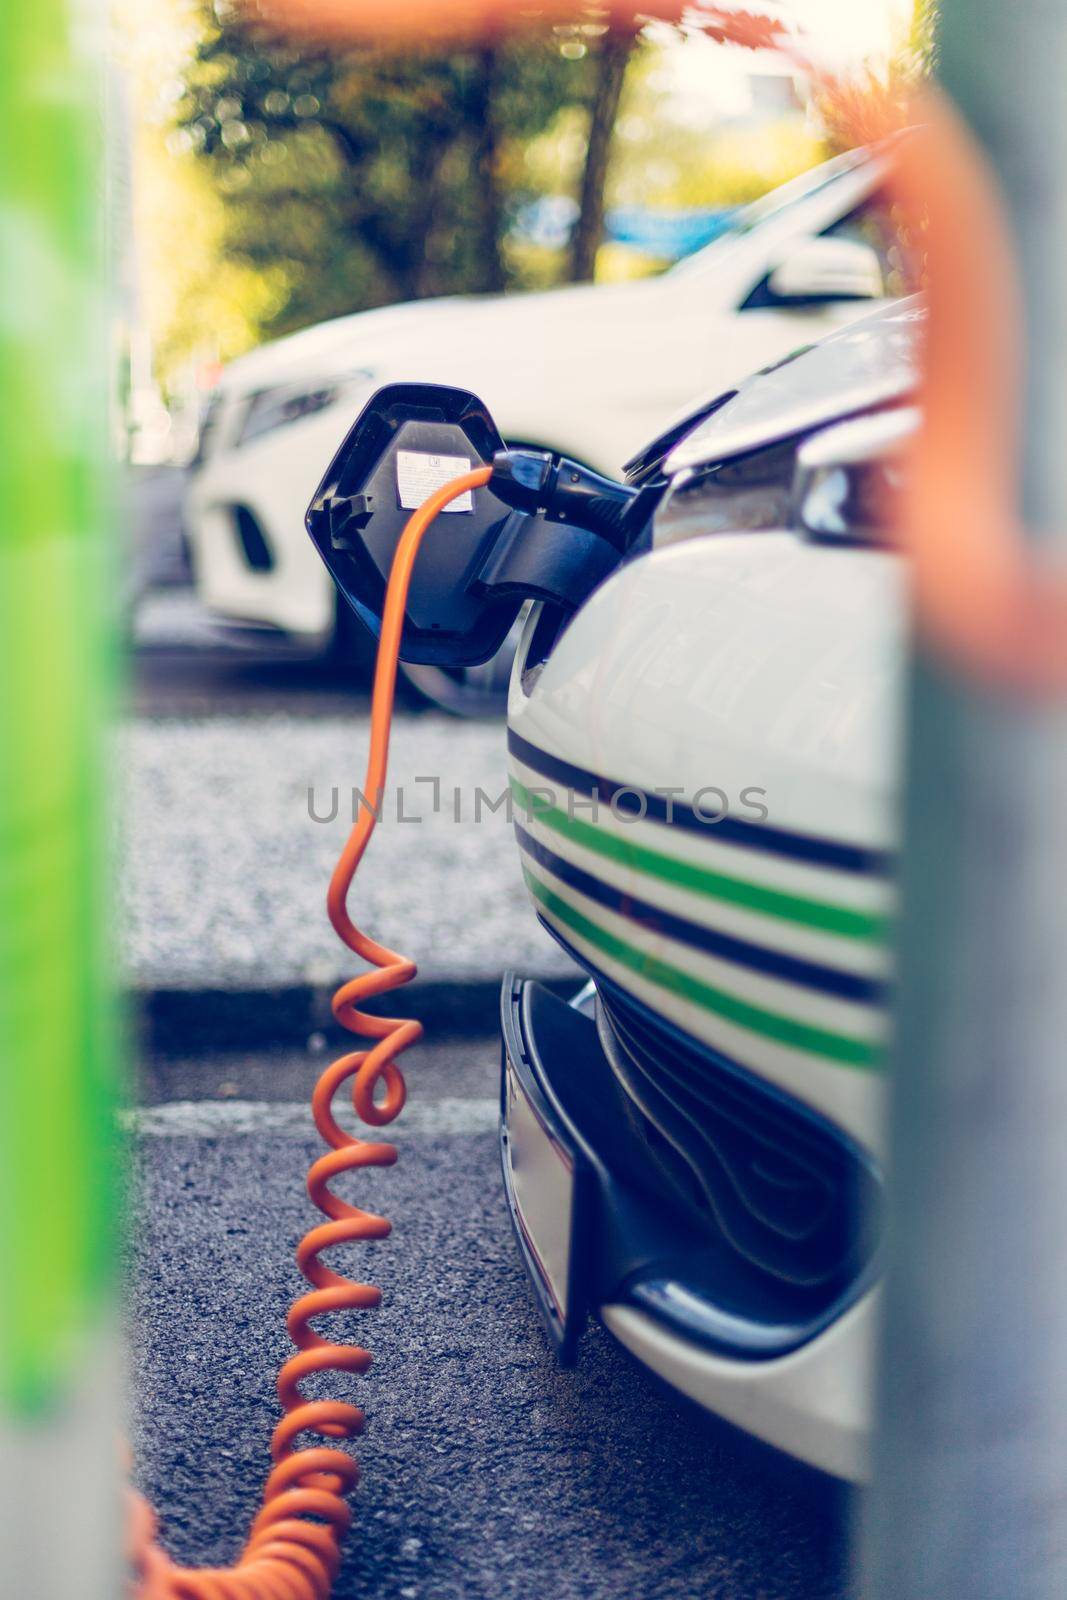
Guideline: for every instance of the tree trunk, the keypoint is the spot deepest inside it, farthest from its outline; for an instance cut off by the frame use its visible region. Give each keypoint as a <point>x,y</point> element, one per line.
<point>615,52</point>
<point>492,275</point>
<point>431,217</point>
<point>422,206</point>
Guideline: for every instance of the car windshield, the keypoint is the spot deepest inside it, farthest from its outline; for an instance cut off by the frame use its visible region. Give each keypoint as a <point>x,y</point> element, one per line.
<point>771,206</point>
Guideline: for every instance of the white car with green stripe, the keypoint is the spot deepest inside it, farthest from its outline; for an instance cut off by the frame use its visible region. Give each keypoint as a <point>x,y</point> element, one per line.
<point>702,764</point>
<point>702,731</point>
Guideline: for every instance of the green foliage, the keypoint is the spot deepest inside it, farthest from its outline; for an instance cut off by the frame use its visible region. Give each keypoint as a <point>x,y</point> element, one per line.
<point>664,156</point>
<point>868,105</point>
<point>360,177</point>
<point>279,186</point>
<point>922,35</point>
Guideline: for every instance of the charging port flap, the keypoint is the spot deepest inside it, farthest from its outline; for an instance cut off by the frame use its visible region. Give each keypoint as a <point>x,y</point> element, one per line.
<point>409,440</point>
<point>543,528</point>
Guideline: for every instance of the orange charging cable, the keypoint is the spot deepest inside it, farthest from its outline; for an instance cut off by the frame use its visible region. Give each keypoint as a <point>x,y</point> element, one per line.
<point>293,1549</point>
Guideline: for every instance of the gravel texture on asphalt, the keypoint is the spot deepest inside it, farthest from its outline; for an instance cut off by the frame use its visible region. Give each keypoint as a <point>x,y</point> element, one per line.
<point>488,1473</point>
<point>225,870</point>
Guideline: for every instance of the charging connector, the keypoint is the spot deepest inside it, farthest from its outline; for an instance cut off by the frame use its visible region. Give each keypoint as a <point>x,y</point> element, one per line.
<point>541,483</point>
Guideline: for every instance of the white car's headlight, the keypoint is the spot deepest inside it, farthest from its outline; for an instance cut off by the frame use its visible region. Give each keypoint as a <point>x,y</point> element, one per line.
<point>275,408</point>
<point>742,495</point>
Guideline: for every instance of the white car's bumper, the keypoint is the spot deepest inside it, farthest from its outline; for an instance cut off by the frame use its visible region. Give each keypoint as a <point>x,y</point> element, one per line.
<point>253,561</point>
<point>814,1403</point>
<point>727,1306</point>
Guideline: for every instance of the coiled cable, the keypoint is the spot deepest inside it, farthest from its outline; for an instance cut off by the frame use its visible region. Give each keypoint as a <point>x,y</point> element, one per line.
<point>294,1546</point>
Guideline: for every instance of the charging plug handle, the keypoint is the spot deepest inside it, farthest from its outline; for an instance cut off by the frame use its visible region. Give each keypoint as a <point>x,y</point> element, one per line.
<point>539,482</point>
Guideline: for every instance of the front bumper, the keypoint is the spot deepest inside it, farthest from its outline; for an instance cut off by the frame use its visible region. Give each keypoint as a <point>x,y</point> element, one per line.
<point>600,1233</point>
<point>270,481</point>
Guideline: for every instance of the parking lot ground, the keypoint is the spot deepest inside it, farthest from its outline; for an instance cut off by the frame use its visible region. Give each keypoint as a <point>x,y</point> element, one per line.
<point>488,1473</point>
<point>232,826</point>
<point>185,665</point>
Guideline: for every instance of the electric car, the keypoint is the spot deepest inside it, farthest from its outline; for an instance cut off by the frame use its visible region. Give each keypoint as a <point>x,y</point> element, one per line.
<point>702,743</point>
<point>594,370</point>
<point>702,760</point>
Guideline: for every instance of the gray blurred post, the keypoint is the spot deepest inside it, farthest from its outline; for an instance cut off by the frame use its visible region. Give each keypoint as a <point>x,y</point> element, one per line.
<point>971,1468</point>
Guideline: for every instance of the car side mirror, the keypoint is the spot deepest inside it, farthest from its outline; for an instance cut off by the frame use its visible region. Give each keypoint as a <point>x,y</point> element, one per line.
<point>408,440</point>
<point>817,271</point>
<point>848,478</point>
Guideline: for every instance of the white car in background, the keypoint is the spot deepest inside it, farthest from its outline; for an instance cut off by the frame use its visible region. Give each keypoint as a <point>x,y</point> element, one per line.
<point>595,369</point>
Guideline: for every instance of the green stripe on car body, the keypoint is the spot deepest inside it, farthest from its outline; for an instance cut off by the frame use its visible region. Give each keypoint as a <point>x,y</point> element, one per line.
<point>838,1047</point>
<point>801,909</point>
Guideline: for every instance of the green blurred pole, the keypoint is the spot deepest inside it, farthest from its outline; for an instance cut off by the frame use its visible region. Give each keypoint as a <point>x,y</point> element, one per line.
<point>58,1415</point>
<point>971,1468</point>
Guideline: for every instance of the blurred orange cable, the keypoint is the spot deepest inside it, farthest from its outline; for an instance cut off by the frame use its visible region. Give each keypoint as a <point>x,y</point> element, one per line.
<point>442,22</point>
<point>984,598</point>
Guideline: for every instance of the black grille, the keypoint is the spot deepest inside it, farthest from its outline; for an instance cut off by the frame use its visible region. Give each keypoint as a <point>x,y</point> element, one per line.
<point>793,1198</point>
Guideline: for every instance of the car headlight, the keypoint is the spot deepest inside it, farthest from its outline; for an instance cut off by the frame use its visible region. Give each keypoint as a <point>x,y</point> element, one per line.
<point>850,478</point>
<point>749,493</point>
<point>275,408</point>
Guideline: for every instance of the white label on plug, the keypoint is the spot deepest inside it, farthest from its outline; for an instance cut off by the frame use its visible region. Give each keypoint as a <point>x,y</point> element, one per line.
<point>418,474</point>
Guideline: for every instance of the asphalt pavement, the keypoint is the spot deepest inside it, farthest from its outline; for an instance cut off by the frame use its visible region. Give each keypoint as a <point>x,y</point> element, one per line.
<point>487,1471</point>
<point>233,826</point>
<point>237,764</point>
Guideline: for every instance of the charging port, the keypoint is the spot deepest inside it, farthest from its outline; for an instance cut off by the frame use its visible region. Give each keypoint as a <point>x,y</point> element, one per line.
<point>544,528</point>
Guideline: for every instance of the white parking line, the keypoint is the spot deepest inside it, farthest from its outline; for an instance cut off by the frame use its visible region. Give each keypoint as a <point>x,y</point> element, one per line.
<point>223,1119</point>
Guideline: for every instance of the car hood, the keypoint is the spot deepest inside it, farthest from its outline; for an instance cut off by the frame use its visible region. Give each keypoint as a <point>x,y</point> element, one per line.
<point>403,335</point>
<point>322,349</point>
<point>870,363</point>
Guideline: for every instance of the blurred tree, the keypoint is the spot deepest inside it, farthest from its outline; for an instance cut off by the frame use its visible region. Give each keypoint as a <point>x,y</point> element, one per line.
<point>612,59</point>
<point>278,186</point>
<point>369,176</point>
<point>867,105</point>
<point>723,24</point>
<point>199,301</point>
<point>922,34</point>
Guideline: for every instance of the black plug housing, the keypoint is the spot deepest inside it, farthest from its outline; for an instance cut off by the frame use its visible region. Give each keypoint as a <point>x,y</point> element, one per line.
<point>537,482</point>
<point>544,528</point>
